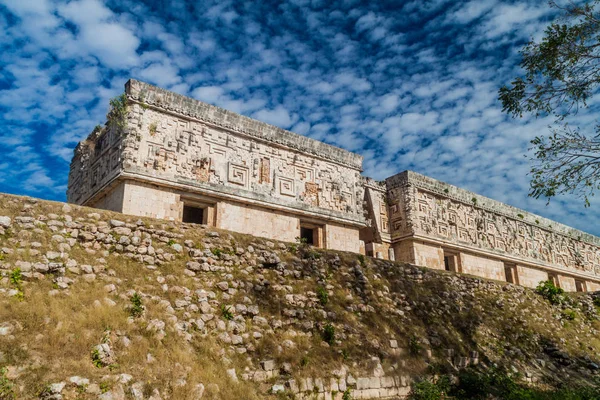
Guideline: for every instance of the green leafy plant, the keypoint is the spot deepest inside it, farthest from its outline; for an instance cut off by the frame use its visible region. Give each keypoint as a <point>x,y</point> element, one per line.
<point>16,278</point>
<point>429,390</point>
<point>474,200</point>
<point>520,216</point>
<point>414,346</point>
<point>117,113</point>
<point>152,128</point>
<point>329,334</point>
<point>362,260</point>
<point>171,242</point>
<point>569,314</point>
<point>216,251</point>
<point>347,395</point>
<point>551,292</point>
<point>226,312</point>
<point>137,308</point>
<point>6,386</point>
<point>96,359</point>
<point>322,295</point>
<point>596,301</point>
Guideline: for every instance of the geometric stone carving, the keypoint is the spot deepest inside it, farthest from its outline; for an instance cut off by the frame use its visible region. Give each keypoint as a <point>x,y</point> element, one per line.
<point>265,171</point>
<point>286,186</point>
<point>305,174</point>
<point>311,194</point>
<point>238,174</point>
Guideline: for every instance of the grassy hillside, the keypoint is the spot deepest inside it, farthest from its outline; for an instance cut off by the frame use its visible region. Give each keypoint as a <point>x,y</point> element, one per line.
<point>95,304</point>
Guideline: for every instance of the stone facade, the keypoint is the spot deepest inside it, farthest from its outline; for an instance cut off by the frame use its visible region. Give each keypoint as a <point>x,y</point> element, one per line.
<point>243,174</point>
<point>181,159</point>
<point>445,227</point>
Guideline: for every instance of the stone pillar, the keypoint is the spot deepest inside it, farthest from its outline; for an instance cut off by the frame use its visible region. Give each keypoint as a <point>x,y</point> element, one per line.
<point>391,255</point>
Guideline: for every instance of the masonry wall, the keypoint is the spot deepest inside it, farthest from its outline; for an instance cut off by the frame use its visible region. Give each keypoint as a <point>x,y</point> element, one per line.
<point>113,200</point>
<point>530,277</point>
<point>258,222</point>
<point>486,233</point>
<point>482,266</point>
<point>341,237</point>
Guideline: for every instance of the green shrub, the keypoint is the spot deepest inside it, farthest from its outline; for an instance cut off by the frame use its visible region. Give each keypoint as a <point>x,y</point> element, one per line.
<point>322,295</point>
<point>551,292</point>
<point>226,312</point>
<point>216,251</point>
<point>118,111</point>
<point>96,359</point>
<point>329,334</point>
<point>16,277</point>
<point>6,386</point>
<point>137,308</point>
<point>414,347</point>
<point>362,260</point>
<point>569,315</point>
<point>429,390</point>
<point>347,395</point>
<point>596,301</point>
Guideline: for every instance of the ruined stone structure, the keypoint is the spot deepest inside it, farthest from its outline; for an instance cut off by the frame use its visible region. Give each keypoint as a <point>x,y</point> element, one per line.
<point>176,158</point>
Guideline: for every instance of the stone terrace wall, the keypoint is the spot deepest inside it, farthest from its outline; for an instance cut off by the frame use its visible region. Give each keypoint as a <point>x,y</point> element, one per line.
<point>423,206</point>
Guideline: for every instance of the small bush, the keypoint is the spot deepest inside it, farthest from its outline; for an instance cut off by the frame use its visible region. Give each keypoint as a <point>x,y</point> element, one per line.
<point>322,295</point>
<point>171,242</point>
<point>16,278</point>
<point>347,395</point>
<point>430,390</point>
<point>569,315</point>
<point>362,260</point>
<point>226,312</point>
<point>216,251</point>
<point>137,308</point>
<point>96,359</point>
<point>6,386</point>
<point>329,334</point>
<point>414,347</point>
<point>596,301</point>
<point>551,292</point>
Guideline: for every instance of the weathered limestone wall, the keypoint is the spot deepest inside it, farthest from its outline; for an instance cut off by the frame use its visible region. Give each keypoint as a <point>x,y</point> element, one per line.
<point>530,277</point>
<point>567,283</point>
<point>341,237</point>
<point>113,200</point>
<point>151,201</point>
<point>181,140</point>
<point>428,255</point>
<point>258,222</point>
<point>482,266</point>
<point>420,206</point>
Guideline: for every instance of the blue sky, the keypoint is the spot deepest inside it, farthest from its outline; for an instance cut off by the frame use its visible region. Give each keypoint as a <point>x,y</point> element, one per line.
<point>407,84</point>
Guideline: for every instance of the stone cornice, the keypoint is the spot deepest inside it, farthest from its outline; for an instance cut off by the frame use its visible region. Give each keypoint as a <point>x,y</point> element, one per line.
<point>466,197</point>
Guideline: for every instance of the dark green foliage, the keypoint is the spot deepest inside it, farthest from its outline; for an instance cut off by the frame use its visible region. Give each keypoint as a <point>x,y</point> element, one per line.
<point>329,334</point>
<point>322,295</point>
<point>96,359</point>
<point>6,386</point>
<point>569,315</point>
<point>562,73</point>
<point>16,278</point>
<point>226,312</point>
<point>597,301</point>
<point>117,114</point>
<point>414,347</point>
<point>347,395</point>
<point>551,292</point>
<point>497,384</point>
<point>362,260</point>
<point>429,390</point>
<point>137,308</point>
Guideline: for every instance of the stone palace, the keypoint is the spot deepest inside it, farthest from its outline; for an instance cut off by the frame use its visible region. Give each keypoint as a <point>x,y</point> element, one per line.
<point>180,159</point>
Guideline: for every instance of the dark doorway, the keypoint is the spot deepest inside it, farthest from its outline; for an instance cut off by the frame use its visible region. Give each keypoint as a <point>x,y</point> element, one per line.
<point>308,235</point>
<point>450,262</point>
<point>510,271</point>
<point>193,215</point>
<point>580,286</point>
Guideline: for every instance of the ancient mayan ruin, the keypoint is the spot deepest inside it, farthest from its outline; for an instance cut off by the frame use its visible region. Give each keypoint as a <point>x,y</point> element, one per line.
<point>176,158</point>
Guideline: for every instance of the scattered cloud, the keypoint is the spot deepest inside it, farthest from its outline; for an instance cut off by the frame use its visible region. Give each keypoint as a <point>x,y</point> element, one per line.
<point>408,85</point>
